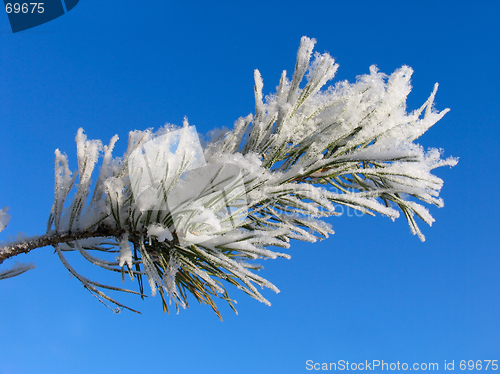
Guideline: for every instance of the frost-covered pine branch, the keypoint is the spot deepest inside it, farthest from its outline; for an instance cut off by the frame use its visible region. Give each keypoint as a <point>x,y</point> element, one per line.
<point>187,220</point>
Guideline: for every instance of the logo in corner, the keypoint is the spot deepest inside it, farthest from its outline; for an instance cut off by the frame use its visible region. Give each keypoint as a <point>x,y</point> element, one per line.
<point>26,15</point>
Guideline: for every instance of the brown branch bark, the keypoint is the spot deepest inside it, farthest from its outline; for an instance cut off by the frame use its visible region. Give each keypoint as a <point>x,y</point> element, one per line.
<point>26,245</point>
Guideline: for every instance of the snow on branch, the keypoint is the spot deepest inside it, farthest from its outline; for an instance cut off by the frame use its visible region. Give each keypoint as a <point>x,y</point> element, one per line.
<point>188,218</point>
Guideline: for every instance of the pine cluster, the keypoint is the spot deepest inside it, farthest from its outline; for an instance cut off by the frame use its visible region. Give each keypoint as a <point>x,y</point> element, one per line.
<point>283,170</point>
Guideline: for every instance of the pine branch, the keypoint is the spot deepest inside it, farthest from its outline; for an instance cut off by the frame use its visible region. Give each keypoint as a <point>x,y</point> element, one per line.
<point>26,245</point>
<point>191,219</point>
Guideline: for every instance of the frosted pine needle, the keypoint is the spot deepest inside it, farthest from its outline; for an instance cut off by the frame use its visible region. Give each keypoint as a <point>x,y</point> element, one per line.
<point>191,220</point>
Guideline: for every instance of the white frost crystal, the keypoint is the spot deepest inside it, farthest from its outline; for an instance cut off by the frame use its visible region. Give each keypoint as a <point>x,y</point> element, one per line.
<point>125,252</point>
<point>4,218</point>
<point>161,232</point>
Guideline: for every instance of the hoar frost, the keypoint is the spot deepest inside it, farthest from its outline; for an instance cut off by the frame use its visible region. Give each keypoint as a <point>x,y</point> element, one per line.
<point>188,218</point>
<point>4,218</point>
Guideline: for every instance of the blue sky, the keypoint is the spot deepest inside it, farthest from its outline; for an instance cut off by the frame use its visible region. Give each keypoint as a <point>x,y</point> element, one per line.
<point>370,292</point>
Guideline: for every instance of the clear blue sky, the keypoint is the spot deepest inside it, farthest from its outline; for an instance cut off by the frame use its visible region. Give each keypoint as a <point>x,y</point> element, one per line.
<point>372,291</point>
